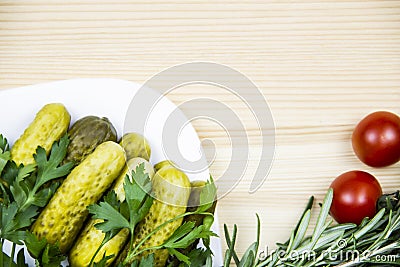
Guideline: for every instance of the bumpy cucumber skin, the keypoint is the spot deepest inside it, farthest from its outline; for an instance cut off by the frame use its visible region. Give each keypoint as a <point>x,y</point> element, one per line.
<point>86,134</point>
<point>49,125</point>
<point>171,188</point>
<point>90,238</point>
<point>63,217</point>
<point>135,145</point>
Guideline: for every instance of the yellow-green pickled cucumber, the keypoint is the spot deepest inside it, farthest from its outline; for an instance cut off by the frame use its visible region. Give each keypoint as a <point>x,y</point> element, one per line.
<point>49,125</point>
<point>171,188</point>
<point>162,164</point>
<point>91,238</point>
<point>86,134</point>
<point>135,145</point>
<point>63,217</point>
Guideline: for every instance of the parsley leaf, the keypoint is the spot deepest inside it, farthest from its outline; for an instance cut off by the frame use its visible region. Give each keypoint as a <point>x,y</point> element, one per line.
<point>5,157</point>
<point>4,144</point>
<point>34,245</point>
<point>103,261</point>
<point>198,257</point>
<point>23,193</point>
<point>144,262</point>
<point>8,262</point>
<point>186,234</point>
<point>207,196</point>
<point>9,174</point>
<point>112,218</point>
<point>52,256</point>
<point>4,152</point>
<point>13,222</point>
<point>48,168</point>
<point>46,255</point>
<point>21,259</point>
<point>137,204</point>
<point>25,190</point>
<point>180,256</point>
<point>137,195</point>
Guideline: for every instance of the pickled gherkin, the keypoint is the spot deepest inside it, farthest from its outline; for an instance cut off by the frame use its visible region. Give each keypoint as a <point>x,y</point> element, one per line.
<point>135,145</point>
<point>162,164</point>
<point>49,125</point>
<point>91,238</point>
<point>171,189</point>
<point>86,134</point>
<point>65,214</point>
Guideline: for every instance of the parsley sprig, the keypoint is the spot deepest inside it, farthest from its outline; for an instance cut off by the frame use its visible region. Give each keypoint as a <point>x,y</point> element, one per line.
<point>116,216</point>
<point>23,194</point>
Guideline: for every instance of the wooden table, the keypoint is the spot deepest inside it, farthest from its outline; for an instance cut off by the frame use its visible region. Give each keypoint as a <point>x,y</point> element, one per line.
<point>321,65</point>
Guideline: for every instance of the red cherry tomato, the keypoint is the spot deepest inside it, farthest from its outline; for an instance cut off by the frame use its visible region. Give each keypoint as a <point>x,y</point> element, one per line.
<point>376,139</point>
<point>355,194</point>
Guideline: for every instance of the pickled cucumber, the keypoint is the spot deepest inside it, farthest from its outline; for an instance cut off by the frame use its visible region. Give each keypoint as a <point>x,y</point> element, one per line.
<point>49,125</point>
<point>86,134</point>
<point>91,238</point>
<point>162,164</point>
<point>63,217</point>
<point>135,145</point>
<point>171,188</point>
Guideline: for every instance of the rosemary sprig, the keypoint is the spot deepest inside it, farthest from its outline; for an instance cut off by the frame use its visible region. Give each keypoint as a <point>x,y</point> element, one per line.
<point>375,242</point>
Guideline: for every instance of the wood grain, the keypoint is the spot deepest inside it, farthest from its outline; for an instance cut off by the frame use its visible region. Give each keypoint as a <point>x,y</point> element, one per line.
<point>321,65</point>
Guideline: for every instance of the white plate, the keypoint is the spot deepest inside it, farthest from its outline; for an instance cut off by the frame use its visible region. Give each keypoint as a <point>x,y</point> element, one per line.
<point>101,97</point>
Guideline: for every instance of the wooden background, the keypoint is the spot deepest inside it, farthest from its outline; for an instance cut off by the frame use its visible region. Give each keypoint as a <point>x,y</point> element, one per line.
<point>321,65</point>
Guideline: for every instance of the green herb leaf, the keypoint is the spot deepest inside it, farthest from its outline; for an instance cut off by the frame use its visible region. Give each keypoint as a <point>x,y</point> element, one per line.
<point>147,261</point>
<point>112,218</point>
<point>230,252</point>
<point>23,194</point>
<point>181,257</point>
<point>137,204</point>
<point>52,256</point>
<point>26,188</point>
<point>5,155</point>
<point>321,226</point>
<point>4,158</point>
<point>10,172</point>
<point>20,188</point>
<point>48,168</point>
<point>186,234</point>
<point>207,196</point>
<point>103,261</point>
<point>34,245</point>
<point>198,257</point>
<point>112,199</point>
<point>12,222</point>
<point>46,255</point>
<point>21,259</point>
<point>179,233</point>
<point>7,260</point>
<point>137,194</point>
<point>4,144</point>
